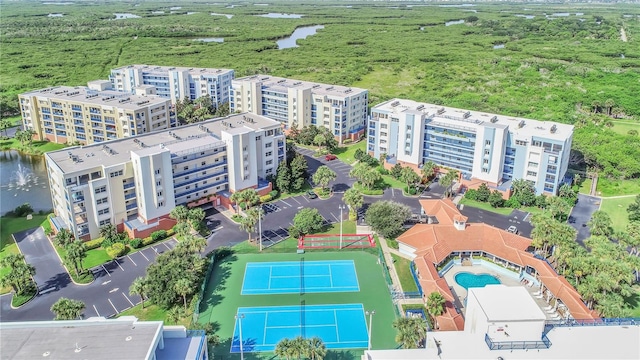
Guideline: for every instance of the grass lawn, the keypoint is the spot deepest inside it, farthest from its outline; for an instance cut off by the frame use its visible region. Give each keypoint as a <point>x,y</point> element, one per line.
<point>608,187</point>
<point>8,226</point>
<point>345,153</point>
<point>623,127</point>
<point>37,147</point>
<point>94,257</point>
<point>402,266</point>
<point>585,186</point>
<point>390,181</point>
<point>153,312</point>
<point>306,187</point>
<point>485,206</point>
<point>617,210</point>
<point>633,302</point>
<point>222,297</point>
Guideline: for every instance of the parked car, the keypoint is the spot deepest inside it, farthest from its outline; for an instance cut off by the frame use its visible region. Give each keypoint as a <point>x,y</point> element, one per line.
<point>330,157</point>
<point>512,229</point>
<point>311,194</point>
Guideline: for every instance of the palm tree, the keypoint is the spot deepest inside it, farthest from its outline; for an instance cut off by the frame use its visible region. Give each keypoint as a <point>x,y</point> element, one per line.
<point>283,349</point>
<point>183,288</point>
<point>246,197</point>
<point>319,140</point>
<point>248,222</point>
<point>448,180</point>
<point>194,243</point>
<point>195,216</point>
<point>542,230</point>
<point>429,169</point>
<point>110,234</point>
<point>76,252</point>
<point>63,237</point>
<point>182,228</point>
<point>299,347</point>
<point>139,287</point>
<point>365,175</point>
<point>409,177</point>
<point>67,309</point>
<point>4,125</point>
<point>316,349</point>
<point>410,331</point>
<point>354,200</point>
<point>20,273</point>
<point>632,239</point>
<point>609,104</point>
<point>175,314</point>
<point>600,224</point>
<point>323,176</point>
<point>557,207</point>
<point>180,213</point>
<point>435,306</point>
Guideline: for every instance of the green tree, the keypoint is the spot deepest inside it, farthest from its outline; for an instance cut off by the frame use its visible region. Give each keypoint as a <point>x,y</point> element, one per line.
<point>330,142</point>
<point>193,243</point>
<point>354,200</point>
<point>523,192</point>
<point>63,237</point>
<point>600,224</point>
<point>110,235</point>
<point>283,349</point>
<point>175,314</point>
<point>299,347</point>
<point>139,287</point>
<point>435,306</point>
<point>76,253</point>
<point>365,175</point>
<point>387,217</point>
<point>634,209</point>
<point>632,239</point>
<point>183,287</point>
<point>410,331</point>
<point>483,193</point>
<point>179,213</point>
<point>316,349</point>
<point>24,136</point>
<point>542,230</point>
<point>283,177</point>
<point>4,125</point>
<point>298,171</point>
<point>319,140</point>
<point>429,169</point>
<point>409,177</point>
<point>447,181</point>
<point>308,221</point>
<point>557,207</point>
<point>248,222</point>
<point>195,216</point>
<point>182,228</point>
<point>245,198</point>
<point>20,273</point>
<point>67,309</point>
<point>495,199</point>
<point>323,176</point>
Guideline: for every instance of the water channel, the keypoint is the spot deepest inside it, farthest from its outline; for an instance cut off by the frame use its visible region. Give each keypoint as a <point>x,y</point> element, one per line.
<point>299,33</point>
<point>23,179</point>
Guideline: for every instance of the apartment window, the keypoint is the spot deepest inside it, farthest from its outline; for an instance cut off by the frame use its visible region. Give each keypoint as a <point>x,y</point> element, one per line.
<point>188,187</point>
<point>159,193</point>
<point>268,145</point>
<point>160,203</point>
<point>487,142</point>
<point>203,163</point>
<point>382,133</point>
<point>269,153</point>
<point>269,171</point>
<point>105,222</point>
<point>158,183</point>
<point>202,153</point>
<point>101,201</point>
<point>269,162</point>
<point>101,189</point>
<point>383,126</point>
<point>116,173</point>
<point>244,148</point>
<point>408,127</point>
<point>157,171</point>
<point>408,136</point>
<point>186,168</point>
<point>533,164</point>
<point>258,138</point>
<point>103,211</point>
<point>532,173</point>
<point>536,143</point>
<point>485,170</point>
<point>204,173</point>
<point>521,142</point>
<point>485,161</point>
<point>246,177</point>
<point>486,152</point>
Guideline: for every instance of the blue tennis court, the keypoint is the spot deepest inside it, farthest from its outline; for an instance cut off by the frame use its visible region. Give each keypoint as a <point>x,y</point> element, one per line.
<point>340,326</point>
<point>286,277</point>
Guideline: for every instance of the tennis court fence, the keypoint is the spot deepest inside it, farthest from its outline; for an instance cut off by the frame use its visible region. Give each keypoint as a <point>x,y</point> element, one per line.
<point>203,286</point>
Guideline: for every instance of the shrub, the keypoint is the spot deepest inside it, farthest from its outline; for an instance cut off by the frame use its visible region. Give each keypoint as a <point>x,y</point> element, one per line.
<point>347,141</point>
<point>411,191</point>
<point>273,194</point>
<point>170,232</point>
<point>106,242</point>
<point>222,252</point>
<point>483,193</point>
<point>294,232</point>
<point>93,244</point>
<point>265,198</point>
<point>471,194</point>
<point>383,171</point>
<point>136,243</point>
<point>513,203</point>
<point>116,250</point>
<point>23,210</point>
<point>158,235</point>
<point>237,218</point>
<point>147,241</point>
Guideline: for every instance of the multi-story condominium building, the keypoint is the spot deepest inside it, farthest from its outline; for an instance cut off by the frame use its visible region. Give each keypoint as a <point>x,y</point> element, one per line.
<point>135,182</point>
<point>343,110</point>
<point>488,148</point>
<point>175,83</point>
<point>80,114</point>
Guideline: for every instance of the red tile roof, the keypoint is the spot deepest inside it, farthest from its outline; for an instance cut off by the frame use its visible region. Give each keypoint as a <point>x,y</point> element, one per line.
<point>435,242</point>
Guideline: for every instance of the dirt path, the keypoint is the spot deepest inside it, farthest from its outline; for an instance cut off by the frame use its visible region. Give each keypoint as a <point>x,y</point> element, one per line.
<point>623,35</point>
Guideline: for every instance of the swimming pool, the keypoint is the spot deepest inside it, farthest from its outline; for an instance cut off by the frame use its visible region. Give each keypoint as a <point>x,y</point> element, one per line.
<point>468,280</point>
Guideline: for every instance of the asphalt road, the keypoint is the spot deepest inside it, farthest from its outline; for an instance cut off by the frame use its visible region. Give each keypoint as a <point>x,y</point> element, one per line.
<point>581,214</point>
<point>108,294</point>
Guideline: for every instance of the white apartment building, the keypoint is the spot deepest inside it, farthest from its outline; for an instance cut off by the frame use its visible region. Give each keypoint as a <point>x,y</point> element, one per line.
<point>173,82</point>
<point>295,103</point>
<point>484,147</point>
<point>135,182</point>
<point>65,114</point>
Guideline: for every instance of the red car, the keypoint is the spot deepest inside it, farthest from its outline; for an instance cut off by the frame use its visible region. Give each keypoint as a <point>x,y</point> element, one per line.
<point>330,157</point>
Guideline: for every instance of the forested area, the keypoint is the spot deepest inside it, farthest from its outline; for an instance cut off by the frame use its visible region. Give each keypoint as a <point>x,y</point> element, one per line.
<point>568,63</point>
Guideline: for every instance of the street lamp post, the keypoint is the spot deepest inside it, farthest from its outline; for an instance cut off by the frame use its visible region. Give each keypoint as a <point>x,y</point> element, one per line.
<point>239,317</point>
<point>341,207</point>
<point>370,313</point>
<point>260,229</point>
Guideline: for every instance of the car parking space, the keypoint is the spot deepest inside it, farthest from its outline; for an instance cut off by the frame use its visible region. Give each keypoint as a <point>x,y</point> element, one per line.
<point>270,208</point>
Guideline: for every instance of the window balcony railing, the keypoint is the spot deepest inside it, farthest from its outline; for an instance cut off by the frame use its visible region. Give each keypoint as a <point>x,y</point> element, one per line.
<point>132,206</point>
<point>130,196</point>
<point>195,180</point>
<point>544,343</point>
<point>201,188</point>
<point>200,168</point>
<point>129,185</point>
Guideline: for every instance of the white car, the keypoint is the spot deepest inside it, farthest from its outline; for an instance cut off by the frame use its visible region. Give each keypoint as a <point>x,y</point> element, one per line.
<point>512,229</point>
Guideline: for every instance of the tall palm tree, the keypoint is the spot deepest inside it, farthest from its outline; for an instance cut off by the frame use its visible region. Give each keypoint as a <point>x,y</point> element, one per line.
<point>180,213</point>
<point>409,177</point>
<point>195,216</point>
<point>354,200</point>
<point>194,243</point>
<point>20,273</point>
<point>448,180</point>
<point>139,287</point>
<point>435,306</point>
<point>245,198</point>
<point>4,125</point>
<point>67,309</point>
<point>600,224</point>
<point>63,237</point>
<point>175,314</point>
<point>76,252</point>
<point>410,331</point>
<point>299,347</point>
<point>316,349</point>
<point>323,176</point>
<point>283,349</point>
<point>183,288</point>
<point>429,169</point>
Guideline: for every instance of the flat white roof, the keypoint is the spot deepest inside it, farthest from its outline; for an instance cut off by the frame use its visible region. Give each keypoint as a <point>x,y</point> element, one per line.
<point>280,83</point>
<point>507,303</point>
<point>192,71</point>
<point>110,98</point>
<point>473,118</point>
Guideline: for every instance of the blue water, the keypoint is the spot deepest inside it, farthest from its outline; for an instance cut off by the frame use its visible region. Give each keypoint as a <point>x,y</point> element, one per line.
<point>469,280</point>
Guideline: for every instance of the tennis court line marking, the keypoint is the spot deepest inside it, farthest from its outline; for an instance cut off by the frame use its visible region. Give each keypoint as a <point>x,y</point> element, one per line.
<point>335,322</point>
<point>296,263</point>
<point>264,335</point>
<point>270,277</point>
<point>297,307</point>
<point>330,277</point>
<point>298,288</point>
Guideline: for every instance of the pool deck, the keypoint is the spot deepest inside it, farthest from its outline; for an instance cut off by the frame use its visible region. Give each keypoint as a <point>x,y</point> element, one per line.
<point>460,293</point>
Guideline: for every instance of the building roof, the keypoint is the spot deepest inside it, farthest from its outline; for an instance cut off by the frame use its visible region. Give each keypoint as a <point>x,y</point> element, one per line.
<point>165,69</point>
<point>176,140</point>
<point>435,242</point>
<point>282,84</point>
<point>97,338</point>
<point>507,303</point>
<point>109,98</point>
<point>469,118</point>
<point>444,210</point>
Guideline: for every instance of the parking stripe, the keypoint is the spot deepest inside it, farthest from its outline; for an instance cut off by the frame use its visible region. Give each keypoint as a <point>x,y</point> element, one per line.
<point>94,308</point>
<point>335,217</point>
<point>105,270</point>
<point>114,307</point>
<point>134,263</point>
<point>142,253</point>
<point>130,302</point>
<point>167,246</point>
<point>121,268</point>
<point>294,199</point>
<point>285,202</point>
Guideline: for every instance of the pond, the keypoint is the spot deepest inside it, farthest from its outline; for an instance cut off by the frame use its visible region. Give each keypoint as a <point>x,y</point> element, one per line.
<point>208,40</point>
<point>120,16</point>
<point>24,179</point>
<point>498,46</point>
<point>55,15</point>
<point>526,16</point>
<point>299,33</point>
<point>281,16</point>
<point>454,22</point>
<point>227,15</point>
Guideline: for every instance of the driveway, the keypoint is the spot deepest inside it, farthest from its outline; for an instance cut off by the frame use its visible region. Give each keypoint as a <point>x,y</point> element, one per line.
<point>517,218</point>
<point>581,214</point>
<point>38,251</point>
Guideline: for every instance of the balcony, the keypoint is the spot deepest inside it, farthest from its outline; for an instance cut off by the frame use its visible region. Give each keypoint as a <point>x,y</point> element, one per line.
<point>79,208</point>
<point>191,191</point>
<point>129,185</point>
<point>83,230</point>
<point>195,180</point>
<point>201,168</point>
<point>132,206</point>
<point>130,196</point>
<point>81,219</point>
<point>544,343</point>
